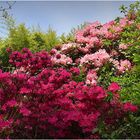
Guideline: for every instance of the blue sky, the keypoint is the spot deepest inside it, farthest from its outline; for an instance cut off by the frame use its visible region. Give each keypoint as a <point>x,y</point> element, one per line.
<point>63,15</point>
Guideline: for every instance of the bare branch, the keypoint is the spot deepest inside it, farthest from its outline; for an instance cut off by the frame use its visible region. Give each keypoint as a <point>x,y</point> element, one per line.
<point>3,10</point>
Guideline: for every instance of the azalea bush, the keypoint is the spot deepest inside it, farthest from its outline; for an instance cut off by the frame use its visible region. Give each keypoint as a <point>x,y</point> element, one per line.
<point>40,101</point>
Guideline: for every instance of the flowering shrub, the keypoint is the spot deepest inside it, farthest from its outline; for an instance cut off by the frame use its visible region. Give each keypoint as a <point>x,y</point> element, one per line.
<point>95,46</point>
<point>72,91</point>
<point>50,105</point>
<point>30,62</point>
<point>47,103</point>
<point>97,59</point>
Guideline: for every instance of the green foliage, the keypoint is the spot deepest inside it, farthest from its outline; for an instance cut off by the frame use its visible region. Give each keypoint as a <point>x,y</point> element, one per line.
<point>123,9</point>
<point>67,38</point>
<point>4,56</point>
<point>133,9</point>
<point>20,37</point>
<point>81,77</point>
<point>130,84</point>
<point>105,74</point>
<point>131,36</point>
<point>43,41</point>
<point>70,37</point>
<point>51,39</point>
<point>128,128</point>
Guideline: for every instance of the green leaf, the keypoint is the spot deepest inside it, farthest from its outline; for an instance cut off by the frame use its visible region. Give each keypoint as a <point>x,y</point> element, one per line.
<point>95,130</point>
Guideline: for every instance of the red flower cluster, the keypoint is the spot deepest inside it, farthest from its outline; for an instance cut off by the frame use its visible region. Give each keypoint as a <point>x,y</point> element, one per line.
<point>49,104</point>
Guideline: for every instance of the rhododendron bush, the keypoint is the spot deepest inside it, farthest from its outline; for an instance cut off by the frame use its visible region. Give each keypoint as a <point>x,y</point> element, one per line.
<point>89,51</point>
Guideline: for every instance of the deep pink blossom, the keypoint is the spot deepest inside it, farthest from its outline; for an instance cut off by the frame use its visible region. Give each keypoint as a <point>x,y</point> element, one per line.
<point>130,107</point>
<point>75,71</point>
<point>25,112</point>
<point>114,87</point>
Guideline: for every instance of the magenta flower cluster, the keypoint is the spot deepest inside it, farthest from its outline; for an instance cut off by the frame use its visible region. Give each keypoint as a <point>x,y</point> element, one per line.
<point>30,62</point>
<point>38,100</point>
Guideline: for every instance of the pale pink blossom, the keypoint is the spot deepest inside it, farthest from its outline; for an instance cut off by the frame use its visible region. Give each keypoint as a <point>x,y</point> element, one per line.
<point>138,26</point>
<point>97,59</point>
<point>123,46</point>
<point>68,47</point>
<point>91,78</point>
<point>63,60</point>
<point>114,62</point>
<point>113,53</point>
<point>83,49</point>
<point>123,22</point>
<point>20,70</point>
<point>124,66</point>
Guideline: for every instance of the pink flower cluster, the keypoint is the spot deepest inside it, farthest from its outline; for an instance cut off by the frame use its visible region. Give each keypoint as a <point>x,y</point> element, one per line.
<point>123,46</point>
<point>49,104</point>
<point>91,78</point>
<point>96,59</point>
<point>60,59</point>
<point>70,47</point>
<point>93,33</point>
<point>94,47</point>
<point>122,66</point>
